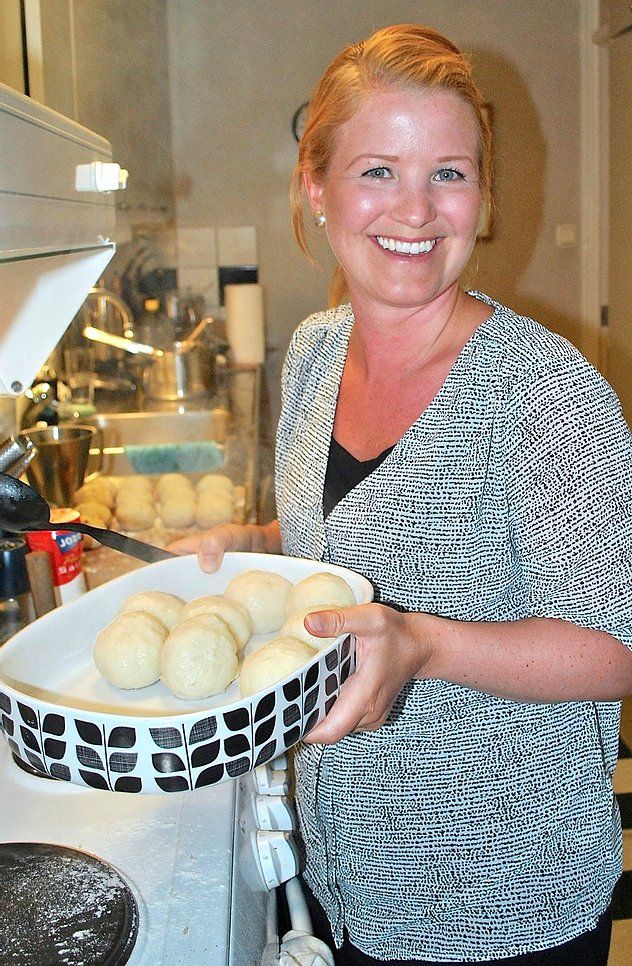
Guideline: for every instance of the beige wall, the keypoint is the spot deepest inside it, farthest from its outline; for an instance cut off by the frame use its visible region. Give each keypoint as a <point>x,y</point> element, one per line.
<point>197,97</point>
<point>239,70</point>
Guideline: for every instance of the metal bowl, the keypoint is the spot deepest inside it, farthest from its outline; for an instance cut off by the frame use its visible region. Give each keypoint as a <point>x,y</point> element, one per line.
<point>62,718</point>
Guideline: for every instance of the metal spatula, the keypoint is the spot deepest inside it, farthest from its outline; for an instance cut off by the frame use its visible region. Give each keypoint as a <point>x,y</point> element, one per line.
<point>23,509</point>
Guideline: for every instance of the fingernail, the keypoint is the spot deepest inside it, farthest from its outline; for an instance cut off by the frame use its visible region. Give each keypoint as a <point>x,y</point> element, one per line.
<point>317,623</point>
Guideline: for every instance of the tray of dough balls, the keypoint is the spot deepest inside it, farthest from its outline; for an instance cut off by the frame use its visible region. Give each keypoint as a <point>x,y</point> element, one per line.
<point>167,679</point>
<point>159,507</point>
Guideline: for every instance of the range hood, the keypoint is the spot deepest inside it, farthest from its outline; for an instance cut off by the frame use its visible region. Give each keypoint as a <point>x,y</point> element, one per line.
<point>57,183</point>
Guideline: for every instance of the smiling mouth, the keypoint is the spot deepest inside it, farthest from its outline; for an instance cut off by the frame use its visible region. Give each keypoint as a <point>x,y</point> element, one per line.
<point>406,247</point>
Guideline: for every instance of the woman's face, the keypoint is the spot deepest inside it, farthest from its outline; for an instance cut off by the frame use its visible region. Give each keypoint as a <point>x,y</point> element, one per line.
<point>402,196</point>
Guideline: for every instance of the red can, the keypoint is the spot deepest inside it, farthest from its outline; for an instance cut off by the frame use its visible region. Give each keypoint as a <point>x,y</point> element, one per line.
<point>65,549</point>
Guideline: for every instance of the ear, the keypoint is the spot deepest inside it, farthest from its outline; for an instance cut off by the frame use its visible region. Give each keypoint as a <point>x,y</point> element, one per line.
<point>314,192</point>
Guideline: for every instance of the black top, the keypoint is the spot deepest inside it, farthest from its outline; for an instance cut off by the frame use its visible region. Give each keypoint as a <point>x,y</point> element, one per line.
<point>344,472</point>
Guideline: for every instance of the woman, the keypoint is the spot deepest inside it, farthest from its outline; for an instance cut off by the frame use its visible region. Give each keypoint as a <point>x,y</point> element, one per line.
<point>456,804</point>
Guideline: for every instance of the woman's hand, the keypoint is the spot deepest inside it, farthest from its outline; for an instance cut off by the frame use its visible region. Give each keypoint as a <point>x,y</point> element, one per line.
<point>390,650</point>
<point>212,545</point>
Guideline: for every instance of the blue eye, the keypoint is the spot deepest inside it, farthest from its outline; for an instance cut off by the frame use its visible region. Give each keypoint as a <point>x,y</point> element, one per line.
<point>377,173</point>
<point>448,174</point>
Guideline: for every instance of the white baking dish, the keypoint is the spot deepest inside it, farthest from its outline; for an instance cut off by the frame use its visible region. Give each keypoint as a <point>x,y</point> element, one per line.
<point>60,716</point>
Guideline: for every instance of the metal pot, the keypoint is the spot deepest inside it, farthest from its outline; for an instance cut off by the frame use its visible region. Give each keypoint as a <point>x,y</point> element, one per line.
<point>185,371</point>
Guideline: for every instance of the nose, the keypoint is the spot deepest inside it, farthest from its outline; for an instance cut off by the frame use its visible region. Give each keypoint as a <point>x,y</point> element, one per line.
<point>414,205</point>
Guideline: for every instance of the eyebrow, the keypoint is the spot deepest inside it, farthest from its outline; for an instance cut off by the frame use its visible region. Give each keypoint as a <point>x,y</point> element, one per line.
<point>375,157</point>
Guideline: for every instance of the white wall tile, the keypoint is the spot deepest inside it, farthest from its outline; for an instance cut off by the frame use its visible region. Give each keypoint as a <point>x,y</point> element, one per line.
<point>196,247</point>
<point>237,246</point>
<point>202,281</point>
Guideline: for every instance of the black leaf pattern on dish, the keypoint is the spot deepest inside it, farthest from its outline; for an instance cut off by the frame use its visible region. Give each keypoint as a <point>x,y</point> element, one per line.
<point>331,660</point>
<point>90,758</point>
<point>205,754</point>
<point>54,724</point>
<point>29,739</point>
<point>121,763</point>
<point>122,737</point>
<point>5,702</point>
<point>331,684</point>
<point>264,731</point>
<point>236,745</point>
<point>28,715</point>
<point>311,677</point>
<point>291,737</point>
<point>60,771</point>
<point>54,748</point>
<point>168,762</point>
<point>292,689</point>
<point>13,745</point>
<point>210,776</point>
<point>203,730</point>
<point>345,650</point>
<point>166,737</point>
<point>176,783</point>
<point>237,720</point>
<point>310,701</point>
<point>8,725</point>
<point>267,752</point>
<point>329,703</point>
<point>93,779</point>
<point>128,784</point>
<point>265,706</point>
<point>345,670</point>
<point>89,732</point>
<point>35,761</point>
<point>291,714</point>
<point>238,767</point>
<point>310,723</point>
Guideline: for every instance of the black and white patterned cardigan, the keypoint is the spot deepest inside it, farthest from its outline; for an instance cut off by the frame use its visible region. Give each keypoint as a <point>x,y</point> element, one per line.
<point>468,827</point>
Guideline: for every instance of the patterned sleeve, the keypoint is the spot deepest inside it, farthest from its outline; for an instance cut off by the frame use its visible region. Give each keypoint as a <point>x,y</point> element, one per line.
<point>569,486</point>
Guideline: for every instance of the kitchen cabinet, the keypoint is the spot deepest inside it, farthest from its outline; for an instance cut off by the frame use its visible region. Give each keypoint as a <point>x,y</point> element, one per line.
<point>104,63</point>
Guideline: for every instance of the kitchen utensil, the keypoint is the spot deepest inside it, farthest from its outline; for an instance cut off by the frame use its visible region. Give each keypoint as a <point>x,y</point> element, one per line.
<point>15,455</point>
<point>118,342</point>
<point>40,574</point>
<point>61,462</point>
<point>185,371</point>
<point>23,509</point>
<point>80,374</point>
<point>148,740</point>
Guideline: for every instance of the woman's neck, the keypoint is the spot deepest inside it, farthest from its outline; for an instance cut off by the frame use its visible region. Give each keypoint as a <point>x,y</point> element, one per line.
<point>388,338</point>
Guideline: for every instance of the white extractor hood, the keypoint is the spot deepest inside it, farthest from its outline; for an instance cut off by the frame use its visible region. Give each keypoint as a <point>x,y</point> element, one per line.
<point>56,224</point>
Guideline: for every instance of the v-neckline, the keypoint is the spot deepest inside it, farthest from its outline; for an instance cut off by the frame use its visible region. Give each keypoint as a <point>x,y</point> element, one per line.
<point>461,359</point>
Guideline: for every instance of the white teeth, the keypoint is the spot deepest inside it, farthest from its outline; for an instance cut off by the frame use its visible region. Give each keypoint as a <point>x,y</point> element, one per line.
<point>406,248</point>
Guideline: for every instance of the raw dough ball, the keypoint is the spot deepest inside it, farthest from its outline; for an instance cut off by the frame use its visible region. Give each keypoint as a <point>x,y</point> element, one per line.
<point>263,594</point>
<point>236,617</point>
<point>167,608</point>
<point>135,513</point>
<point>127,651</point>
<point>198,658</point>
<point>177,513</point>
<point>95,513</point>
<point>215,483</point>
<point>95,492</point>
<point>319,592</point>
<point>213,510</point>
<point>294,627</point>
<point>170,482</point>
<point>273,661</point>
<point>134,487</point>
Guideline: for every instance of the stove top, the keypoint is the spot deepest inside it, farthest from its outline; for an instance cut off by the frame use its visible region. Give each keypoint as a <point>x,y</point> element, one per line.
<point>174,852</point>
<point>59,905</point>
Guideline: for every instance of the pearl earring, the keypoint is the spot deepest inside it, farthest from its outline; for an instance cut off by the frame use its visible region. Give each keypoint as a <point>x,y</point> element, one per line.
<point>320,219</point>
